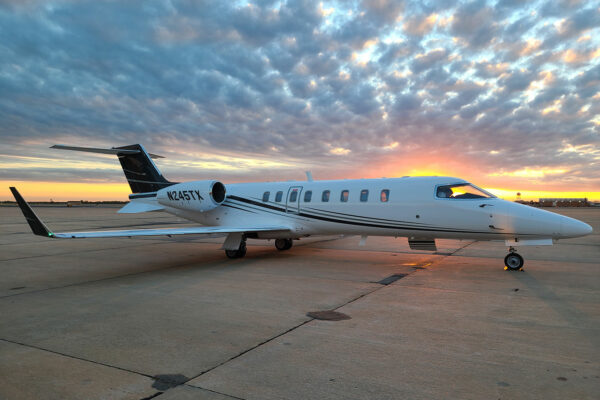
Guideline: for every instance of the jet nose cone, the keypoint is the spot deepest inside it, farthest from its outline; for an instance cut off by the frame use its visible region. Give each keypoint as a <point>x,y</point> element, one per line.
<point>574,228</point>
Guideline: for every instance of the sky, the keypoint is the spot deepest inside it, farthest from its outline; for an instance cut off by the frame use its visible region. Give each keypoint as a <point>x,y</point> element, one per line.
<point>505,94</point>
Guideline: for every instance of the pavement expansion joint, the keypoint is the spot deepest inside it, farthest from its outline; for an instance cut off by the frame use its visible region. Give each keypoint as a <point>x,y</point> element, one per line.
<point>75,357</point>
<point>161,382</point>
<point>152,396</point>
<point>252,348</point>
<point>312,319</point>
<point>215,391</point>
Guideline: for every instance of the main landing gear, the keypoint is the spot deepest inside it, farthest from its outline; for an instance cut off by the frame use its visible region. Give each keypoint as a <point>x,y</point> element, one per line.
<point>283,244</point>
<point>513,261</point>
<point>239,253</point>
<point>280,244</point>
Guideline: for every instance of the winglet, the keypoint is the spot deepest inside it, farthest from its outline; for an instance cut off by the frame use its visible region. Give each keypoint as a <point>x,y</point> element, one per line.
<point>36,224</point>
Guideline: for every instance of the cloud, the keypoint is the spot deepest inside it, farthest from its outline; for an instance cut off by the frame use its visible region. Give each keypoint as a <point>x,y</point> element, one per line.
<point>578,22</point>
<point>516,80</point>
<point>475,23</point>
<point>420,24</point>
<point>383,11</point>
<point>423,62</point>
<point>241,79</point>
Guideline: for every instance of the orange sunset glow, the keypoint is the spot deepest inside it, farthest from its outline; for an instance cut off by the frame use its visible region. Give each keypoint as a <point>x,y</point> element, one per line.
<point>56,191</point>
<point>529,188</point>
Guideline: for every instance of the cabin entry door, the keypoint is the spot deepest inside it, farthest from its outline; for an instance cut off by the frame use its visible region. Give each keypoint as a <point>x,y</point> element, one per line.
<point>292,204</point>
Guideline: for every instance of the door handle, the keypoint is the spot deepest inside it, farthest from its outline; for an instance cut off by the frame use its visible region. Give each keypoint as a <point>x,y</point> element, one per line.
<point>484,205</point>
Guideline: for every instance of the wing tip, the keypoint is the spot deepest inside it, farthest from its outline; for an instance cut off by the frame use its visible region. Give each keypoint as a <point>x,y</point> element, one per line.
<point>35,223</point>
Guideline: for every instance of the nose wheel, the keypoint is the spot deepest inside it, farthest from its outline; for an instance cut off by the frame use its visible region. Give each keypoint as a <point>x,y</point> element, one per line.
<point>513,261</point>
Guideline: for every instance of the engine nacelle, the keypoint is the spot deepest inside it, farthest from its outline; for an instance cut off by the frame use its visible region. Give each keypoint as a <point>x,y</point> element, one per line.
<point>194,196</point>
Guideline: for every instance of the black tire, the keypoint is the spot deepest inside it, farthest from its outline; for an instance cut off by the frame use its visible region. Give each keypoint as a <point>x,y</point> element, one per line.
<point>239,253</point>
<point>231,253</point>
<point>283,244</point>
<point>513,261</point>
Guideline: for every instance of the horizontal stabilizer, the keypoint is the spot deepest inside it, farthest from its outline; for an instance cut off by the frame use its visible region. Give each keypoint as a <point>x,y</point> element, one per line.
<point>142,174</point>
<point>114,151</point>
<point>134,207</point>
<point>422,244</point>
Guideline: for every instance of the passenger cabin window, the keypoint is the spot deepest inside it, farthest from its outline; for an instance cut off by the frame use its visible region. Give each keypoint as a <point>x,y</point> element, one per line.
<point>344,196</point>
<point>307,196</point>
<point>266,196</point>
<point>279,196</point>
<point>294,196</point>
<point>364,195</point>
<point>325,196</point>
<point>385,195</point>
<point>462,191</point>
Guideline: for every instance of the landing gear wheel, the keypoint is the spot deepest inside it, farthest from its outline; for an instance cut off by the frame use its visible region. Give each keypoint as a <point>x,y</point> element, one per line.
<point>239,253</point>
<point>513,261</point>
<point>283,244</point>
<point>231,253</point>
<point>242,250</point>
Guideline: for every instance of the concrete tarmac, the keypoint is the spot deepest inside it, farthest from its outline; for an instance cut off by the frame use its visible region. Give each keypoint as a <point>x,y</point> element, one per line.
<point>175,319</point>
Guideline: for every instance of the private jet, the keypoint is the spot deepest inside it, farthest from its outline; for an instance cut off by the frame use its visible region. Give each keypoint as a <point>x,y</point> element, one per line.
<point>421,209</point>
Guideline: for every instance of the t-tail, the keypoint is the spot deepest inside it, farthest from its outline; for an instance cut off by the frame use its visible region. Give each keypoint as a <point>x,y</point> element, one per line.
<point>142,174</point>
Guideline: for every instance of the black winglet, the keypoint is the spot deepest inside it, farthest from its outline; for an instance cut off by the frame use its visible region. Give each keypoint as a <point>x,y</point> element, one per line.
<point>36,224</point>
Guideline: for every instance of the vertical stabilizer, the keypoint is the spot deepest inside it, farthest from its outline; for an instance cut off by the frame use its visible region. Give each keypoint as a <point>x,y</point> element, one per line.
<point>140,170</point>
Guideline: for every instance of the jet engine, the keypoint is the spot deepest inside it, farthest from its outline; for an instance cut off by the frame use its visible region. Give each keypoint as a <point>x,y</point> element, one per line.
<point>198,196</point>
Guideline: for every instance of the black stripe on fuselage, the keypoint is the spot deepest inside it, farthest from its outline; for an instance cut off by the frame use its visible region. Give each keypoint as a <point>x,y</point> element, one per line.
<point>280,212</point>
<point>328,214</point>
<point>359,217</point>
<point>371,225</point>
<point>256,203</point>
<point>141,195</point>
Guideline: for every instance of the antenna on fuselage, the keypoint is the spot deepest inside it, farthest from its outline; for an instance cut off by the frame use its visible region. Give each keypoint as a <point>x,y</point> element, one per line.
<point>309,176</point>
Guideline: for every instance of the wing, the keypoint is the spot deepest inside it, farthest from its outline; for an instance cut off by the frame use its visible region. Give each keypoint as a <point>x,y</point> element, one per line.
<point>39,228</point>
<point>196,230</point>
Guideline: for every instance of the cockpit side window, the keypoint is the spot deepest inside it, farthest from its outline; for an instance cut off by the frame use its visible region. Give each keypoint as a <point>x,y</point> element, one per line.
<point>462,191</point>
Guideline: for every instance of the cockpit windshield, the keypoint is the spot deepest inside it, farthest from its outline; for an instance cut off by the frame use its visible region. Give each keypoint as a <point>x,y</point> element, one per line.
<point>462,191</point>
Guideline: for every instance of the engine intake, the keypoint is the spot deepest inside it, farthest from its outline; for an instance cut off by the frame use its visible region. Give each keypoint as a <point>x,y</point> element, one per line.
<point>195,196</point>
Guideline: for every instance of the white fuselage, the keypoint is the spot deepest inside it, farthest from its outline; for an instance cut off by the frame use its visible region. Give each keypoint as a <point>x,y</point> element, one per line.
<point>412,209</point>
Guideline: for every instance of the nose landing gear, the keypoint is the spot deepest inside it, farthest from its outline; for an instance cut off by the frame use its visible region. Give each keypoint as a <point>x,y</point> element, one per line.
<point>513,261</point>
